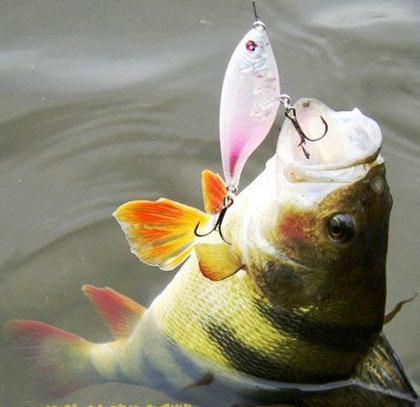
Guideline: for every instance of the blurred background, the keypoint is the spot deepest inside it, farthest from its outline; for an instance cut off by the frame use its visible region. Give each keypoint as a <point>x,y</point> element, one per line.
<point>103,101</point>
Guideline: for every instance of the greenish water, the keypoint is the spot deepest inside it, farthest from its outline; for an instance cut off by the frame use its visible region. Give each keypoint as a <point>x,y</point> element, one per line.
<point>105,101</point>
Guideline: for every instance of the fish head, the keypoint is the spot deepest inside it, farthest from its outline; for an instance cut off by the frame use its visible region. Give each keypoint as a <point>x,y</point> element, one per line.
<point>328,222</point>
<point>334,205</point>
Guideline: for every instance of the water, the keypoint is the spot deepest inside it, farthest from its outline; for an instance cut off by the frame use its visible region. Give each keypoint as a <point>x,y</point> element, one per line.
<point>107,101</point>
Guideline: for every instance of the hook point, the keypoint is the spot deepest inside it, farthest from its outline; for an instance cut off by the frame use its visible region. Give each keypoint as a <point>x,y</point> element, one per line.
<point>290,113</point>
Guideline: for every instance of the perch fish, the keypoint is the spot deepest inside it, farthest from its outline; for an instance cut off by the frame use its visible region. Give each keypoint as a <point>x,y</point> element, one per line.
<point>291,311</point>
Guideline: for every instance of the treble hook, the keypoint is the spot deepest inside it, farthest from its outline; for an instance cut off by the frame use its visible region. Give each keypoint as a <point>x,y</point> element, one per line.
<point>290,113</point>
<point>218,225</point>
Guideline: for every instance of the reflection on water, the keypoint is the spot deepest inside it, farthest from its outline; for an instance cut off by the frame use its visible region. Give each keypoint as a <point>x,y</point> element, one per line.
<point>103,102</point>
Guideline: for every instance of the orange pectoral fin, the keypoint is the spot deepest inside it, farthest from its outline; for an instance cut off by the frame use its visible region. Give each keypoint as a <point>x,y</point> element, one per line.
<point>214,191</point>
<point>160,233</point>
<point>217,261</point>
<point>119,312</point>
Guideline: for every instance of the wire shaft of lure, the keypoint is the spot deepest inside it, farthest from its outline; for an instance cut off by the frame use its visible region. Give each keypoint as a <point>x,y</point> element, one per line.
<point>254,6</point>
<point>257,19</point>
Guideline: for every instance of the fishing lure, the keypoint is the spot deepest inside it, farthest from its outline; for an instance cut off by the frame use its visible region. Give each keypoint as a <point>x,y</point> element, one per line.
<point>249,103</point>
<point>249,100</point>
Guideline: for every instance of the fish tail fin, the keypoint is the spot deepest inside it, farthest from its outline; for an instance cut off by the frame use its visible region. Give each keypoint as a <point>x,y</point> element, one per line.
<point>60,360</point>
<point>160,233</point>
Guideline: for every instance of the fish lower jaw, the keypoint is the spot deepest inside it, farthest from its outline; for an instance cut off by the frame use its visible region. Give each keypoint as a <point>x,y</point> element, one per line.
<point>339,173</point>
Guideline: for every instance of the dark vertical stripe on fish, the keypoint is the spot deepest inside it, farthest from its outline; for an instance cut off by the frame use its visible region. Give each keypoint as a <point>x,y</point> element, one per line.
<point>251,361</point>
<point>348,338</point>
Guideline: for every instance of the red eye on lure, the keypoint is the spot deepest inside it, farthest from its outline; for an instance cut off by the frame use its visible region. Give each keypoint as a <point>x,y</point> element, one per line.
<point>251,45</point>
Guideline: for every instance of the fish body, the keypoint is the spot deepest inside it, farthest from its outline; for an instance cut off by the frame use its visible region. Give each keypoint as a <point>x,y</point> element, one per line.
<point>290,311</point>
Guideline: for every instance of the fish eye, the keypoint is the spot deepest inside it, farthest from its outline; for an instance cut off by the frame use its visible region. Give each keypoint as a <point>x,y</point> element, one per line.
<point>251,45</point>
<point>341,227</point>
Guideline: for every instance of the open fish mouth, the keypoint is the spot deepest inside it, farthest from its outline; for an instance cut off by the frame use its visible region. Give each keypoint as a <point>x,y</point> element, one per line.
<point>350,147</point>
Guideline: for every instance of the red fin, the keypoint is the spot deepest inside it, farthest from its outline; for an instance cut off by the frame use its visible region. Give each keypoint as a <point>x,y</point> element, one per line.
<point>60,359</point>
<point>214,191</point>
<point>160,233</point>
<point>119,312</point>
<point>217,261</point>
